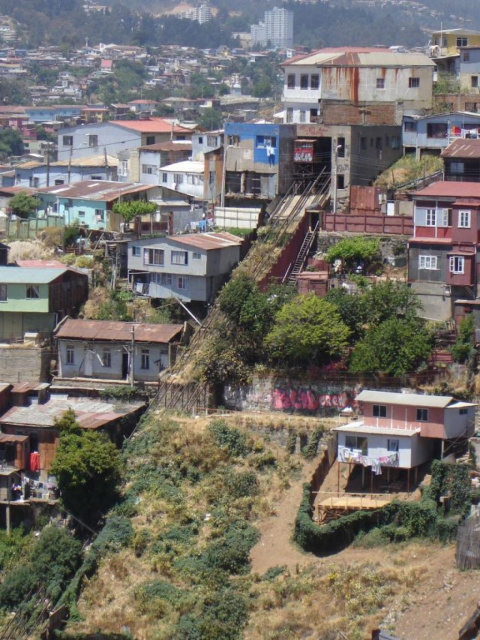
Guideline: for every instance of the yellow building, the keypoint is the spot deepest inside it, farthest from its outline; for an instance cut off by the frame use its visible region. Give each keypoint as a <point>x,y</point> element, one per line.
<point>447,42</point>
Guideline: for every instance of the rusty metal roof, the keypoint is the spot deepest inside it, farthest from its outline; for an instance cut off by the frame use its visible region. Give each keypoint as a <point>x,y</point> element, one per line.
<point>208,241</point>
<point>360,56</point>
<point>462,148</point>
<point>170,145</point>
<point>106,330</point>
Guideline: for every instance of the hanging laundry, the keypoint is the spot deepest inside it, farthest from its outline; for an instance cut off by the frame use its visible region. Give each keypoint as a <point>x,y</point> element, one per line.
<point>34,461</point>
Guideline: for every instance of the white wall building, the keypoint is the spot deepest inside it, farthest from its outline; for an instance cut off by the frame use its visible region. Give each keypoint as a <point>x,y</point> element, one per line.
<point>277,29</point>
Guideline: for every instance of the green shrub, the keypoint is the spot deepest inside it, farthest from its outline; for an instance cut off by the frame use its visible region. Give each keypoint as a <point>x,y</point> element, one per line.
<point>116,534</point>
<point>273,572</point>
<point>291,441</point>
<point>84,262</point>
<point>230,439</point>
<point>119,393</point>
<point>16,586</point>
<point>242,485</point>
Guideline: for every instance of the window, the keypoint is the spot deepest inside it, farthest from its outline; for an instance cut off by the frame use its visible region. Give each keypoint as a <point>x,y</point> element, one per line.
<point>94,178</point>
<point>107,359</point>
<point>314,81</point>
<point>303,116</point>
<point>457,167</point>
<point>409,125</point>
<point>57,182</point>
<point>357,443</point>
<point>36,182</point>
<point>363,143</point>
<point>457,264</point>
<point>212,141</point>
<point>197,256</point>
<point>379,411</point>
<point>304,81</point>
<point>81,214</point>
<point>437,130</point>
<point>178,178</point>
<point>393,445</point>
<point>100,215</point>
<point>291,81</point>
<point>466,56</point>
<point>313,114</point>
<point>70,354</point>
<point>463,411</point>
<point>341,147</point>
<point>33,292</point>
<point>179,257</point>
<point>137,252</point>
<point>148,169</point>
<point>413,83</point>
<point>464,219</point>
<point>166,279</point>
<point>474,82</point>
<point>431,218</point>
<point>289,114</point>
<point>340,181</point>
<point>200,139</point>
<point>183,283</point>
<point>462,42</point>
<point>150,140</point>
<point>154,257</point>
<point>145,359</point>
<point>427,262</point>
<point>395,142</point>
<point>67,141</point>
<point>233,140</point>
<point>445,218</point>
<point>422,415</point>
<point>164,177</point>
<point>378,143</point>
<point>380,83</point>
<point>266,141</point>
<point>92,141</point>
<point>3,292</point>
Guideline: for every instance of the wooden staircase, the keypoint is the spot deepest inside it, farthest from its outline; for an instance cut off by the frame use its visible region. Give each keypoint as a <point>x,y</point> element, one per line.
<point>303,254</point>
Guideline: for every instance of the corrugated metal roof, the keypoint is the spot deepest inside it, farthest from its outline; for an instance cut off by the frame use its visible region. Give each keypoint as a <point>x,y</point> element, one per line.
<point>449,189</point>
<point>100,190</point>
<point>24,275</point>
<point>462,148</point>
<point>361,56</point>
<point>41,264</point>
<point>405,399</point>
<point>359,427</point>
<point>118,331</point>
<point>208,241</point>
<point>5,437</point>
<point>153,125</point>
<point>171,145</point>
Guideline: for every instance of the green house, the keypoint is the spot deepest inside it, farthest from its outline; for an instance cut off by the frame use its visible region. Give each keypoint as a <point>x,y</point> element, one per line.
<point>34,300</point>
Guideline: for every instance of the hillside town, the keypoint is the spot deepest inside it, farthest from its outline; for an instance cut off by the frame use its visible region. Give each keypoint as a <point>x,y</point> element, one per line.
<point>239,331</point>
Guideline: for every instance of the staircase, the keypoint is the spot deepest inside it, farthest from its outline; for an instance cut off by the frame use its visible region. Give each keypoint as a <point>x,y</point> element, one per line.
<point>303,254</point>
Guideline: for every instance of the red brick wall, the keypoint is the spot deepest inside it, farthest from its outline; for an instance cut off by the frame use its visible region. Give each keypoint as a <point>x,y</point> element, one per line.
<point>368,223</point>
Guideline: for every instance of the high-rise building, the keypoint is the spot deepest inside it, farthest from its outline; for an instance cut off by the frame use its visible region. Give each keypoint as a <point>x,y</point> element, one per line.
<point>200,14</point>
<point>277,29</point>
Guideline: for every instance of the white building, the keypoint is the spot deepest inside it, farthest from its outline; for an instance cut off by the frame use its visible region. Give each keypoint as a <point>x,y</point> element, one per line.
<point>185,177</point>
<point>277,29</point>
<point>200,14</point>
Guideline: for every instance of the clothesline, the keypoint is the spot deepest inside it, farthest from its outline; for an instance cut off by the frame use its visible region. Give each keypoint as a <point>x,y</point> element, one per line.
<point>347,455</point>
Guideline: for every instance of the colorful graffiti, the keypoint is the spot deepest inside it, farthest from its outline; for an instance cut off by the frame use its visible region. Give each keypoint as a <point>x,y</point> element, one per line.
<point>308,400</point>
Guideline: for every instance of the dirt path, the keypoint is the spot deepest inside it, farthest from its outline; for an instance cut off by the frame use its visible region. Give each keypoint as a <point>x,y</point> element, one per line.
<point>275,546</point>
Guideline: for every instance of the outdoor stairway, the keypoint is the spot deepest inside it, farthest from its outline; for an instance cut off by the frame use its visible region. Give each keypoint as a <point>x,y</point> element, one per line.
<point>303,254</point>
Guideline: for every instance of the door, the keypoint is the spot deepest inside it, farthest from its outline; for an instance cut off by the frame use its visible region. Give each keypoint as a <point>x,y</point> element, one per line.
<point>125,366</point>
<point>88,365</point>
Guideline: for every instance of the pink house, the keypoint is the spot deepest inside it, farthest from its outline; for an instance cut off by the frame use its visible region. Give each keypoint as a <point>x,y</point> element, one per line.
<point>403,430</point>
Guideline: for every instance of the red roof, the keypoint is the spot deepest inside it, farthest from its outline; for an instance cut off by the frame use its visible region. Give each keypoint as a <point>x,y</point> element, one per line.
<point>462,148</point>
<point>449,189</point>
<point>153,125</point>
<point>41,264</point>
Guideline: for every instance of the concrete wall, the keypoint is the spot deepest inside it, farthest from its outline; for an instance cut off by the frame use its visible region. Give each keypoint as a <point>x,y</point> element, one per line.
<point>458,424</point>
<point>24,363</point>
<point>403,417</point>
<point>230,218</point>
<point>378,446</point>
<point>14,325</point>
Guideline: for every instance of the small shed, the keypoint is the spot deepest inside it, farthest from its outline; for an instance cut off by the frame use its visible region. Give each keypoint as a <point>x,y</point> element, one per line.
<point>468,544</point>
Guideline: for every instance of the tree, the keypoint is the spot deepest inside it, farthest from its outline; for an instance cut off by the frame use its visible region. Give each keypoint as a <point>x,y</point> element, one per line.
<point>352,310</point>
<point>129,210</point>
<point>87,468</point>
<point>211,120</point>
<point>464,347</point>
<point>390,299</point>
<point>23,205</point>
<point>395,347</point>
<point>307,330</point>
<point>262,88</point>
<point>12,141</point>
<point>355,250</point>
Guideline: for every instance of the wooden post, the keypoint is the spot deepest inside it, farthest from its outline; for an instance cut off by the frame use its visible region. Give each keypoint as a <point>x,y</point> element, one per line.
<point>371,480</point>
<point>338,477</point>
<point>7,518</point>
<point>408,481</point>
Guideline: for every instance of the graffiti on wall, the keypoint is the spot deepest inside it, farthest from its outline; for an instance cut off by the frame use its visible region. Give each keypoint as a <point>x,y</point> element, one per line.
<point>307,399</point>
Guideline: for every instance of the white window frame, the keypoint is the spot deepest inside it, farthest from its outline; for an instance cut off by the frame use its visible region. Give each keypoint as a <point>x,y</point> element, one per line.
<point>422,414</point>
<point>393,445</point>
<point>428,262</point>
<point>70,354</point>
<point>179,258</point>
<point>107,359</point>
<point>431,218</point>
<point>379,410</point>
<point>145,359</point>
<point>32,292</point>
<point>136,251</point>
<point>153,257</point>
<point>183,283</point>
<point>457,264</point>
<point>196,256</point>
<point>464,219</point>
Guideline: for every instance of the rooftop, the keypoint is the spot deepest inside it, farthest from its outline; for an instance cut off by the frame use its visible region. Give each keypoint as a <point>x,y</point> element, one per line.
<point>187,166</point>
<point>359,427</point>
<point>118,331</point>
<point>405,399</point>
<point>449,189</point>
<point>26,275</point>
<point>360,57</point>
<point>462,148</point>
<point>153,125</point>
<point>90,413</point>
<point>208,241</point>
<point>100,190</point>
<point>170,145</point>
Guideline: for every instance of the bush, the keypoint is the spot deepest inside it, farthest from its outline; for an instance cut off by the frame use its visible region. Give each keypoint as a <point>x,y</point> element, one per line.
<point>17,585</point>
<point>84,262</point>
<point>116,534</point>
<point>230,439</point>
<point>243,485</point>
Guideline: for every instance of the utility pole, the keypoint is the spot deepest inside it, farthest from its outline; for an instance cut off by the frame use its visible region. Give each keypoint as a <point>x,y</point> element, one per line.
<point>132,354</point>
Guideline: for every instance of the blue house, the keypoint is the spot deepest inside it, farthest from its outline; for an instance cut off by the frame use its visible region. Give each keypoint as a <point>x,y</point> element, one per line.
<point>38,174</point>
<point>258,159</point>
<point>89,203</point>
<point>54,112</point>
<point>432,134</point>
